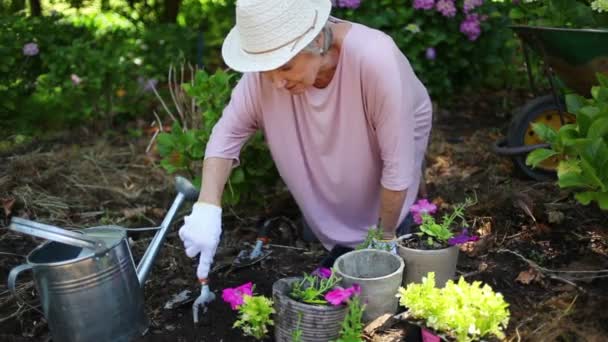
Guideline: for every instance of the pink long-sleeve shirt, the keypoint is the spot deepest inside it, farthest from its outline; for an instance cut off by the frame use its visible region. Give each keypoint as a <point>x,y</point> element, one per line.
<point>336,147</point>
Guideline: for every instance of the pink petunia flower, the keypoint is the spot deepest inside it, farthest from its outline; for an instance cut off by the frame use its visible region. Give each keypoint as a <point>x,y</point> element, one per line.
<point>322,272</point>
<point>423,206</point>
<point>338,296</point>
<point>234,296</point>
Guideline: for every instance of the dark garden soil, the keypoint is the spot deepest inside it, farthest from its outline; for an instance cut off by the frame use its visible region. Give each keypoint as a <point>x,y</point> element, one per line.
<point>529,230</point>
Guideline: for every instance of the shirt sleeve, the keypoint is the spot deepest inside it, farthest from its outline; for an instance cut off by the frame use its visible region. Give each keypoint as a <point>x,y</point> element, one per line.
<point>388,80</point>
<point>239,120</point>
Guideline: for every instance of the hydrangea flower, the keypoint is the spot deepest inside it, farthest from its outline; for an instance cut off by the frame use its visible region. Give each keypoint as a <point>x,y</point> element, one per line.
<point>234,296</point>
<point>471,26</point>
<point>30,49</point>
<point>430,55</point>
<point>322,272</point>
<point>600,5</point>
<point>338,296</point>
<point>346,3</point>
<point>424,4</point>
<point>422,207</point>
<point>446,7</point>
<point>470,5</point>
<point>76,80</point>
<point>463,237</point>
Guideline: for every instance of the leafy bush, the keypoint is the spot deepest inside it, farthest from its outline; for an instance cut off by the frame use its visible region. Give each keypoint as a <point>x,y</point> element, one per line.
<point>182,148</point>
<point>562,13</point>
<point>464,311</point>
<point>582,147</point>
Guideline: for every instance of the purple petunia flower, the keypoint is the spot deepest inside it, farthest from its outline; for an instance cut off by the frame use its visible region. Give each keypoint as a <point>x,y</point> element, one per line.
<point>339,295</point>
<point>322,272</point>
<point>463,237</point>
<point>424,4</point>
<point>430,53</point>
<point>446,7</point>
<point>346,3</point>
<point>30,49</point>
<point>470,5</point>
<point>471,26</point>
<point>234,296</point>
<point>422,207</point>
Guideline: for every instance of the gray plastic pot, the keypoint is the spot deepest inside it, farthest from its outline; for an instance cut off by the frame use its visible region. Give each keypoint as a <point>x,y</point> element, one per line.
<point>379,273</point>
<point>318,323</point>
<point>419,262</point>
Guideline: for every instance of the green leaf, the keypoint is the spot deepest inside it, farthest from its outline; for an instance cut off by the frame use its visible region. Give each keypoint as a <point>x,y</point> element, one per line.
<point>588,196</point>
<point>567,135</point>
<point>602,79</point>
<point>537,156</point>
<point>546,133</point>
<point>165,143</point>
<point>598,129</point>
<point>238,176</point>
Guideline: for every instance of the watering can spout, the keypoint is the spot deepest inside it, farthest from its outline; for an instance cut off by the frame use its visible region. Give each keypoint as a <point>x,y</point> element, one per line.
<point>185,191</point>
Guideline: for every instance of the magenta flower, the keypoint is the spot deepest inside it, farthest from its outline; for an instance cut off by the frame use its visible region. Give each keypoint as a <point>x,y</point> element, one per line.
<point>446,7</point>
<point>322,272</point>
<point>470,5</point>
<point>430,54</point>
<point>463,237</point>
<point>422,207</point>
<point>424,4</point>
<point>234,296</point>
<point>30,49</point>
<point>339,295</point>
<point>471,26</point>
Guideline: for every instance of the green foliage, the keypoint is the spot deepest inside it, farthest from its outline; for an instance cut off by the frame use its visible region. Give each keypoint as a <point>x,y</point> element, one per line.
<point>352,327</point>
<point>296,335</point>
<point>182,149</point>
<point>560,13</point>
<point>464,311</point>
<point>582,148</point>
<point>434,232</point>
<point>311,289</point>
<point>87,66</point>
<point>460,64</point>
<point>254,316</point>
<point>373,238</point>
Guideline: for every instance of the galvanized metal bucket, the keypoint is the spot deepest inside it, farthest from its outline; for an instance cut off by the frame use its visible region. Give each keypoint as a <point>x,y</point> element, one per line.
<point>89,286</point>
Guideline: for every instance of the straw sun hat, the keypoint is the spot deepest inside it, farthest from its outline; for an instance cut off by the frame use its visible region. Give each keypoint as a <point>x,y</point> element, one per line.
<point>268,33</point>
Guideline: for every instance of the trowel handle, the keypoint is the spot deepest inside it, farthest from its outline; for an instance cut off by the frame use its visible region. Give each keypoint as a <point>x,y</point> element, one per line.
<point>53,233</point>
<point>185,187</point>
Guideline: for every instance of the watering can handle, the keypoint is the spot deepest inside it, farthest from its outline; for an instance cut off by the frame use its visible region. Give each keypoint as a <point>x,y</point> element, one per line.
<point>186,188</point>
<point>12,280</point>
<point>53,233</point>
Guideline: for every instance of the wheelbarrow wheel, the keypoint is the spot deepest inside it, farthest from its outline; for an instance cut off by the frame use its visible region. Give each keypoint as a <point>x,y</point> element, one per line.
<point>539,110</point>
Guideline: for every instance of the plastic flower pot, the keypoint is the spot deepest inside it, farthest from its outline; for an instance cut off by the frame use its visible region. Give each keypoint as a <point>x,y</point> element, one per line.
<point>419,262</point>
<point>317,323</point>
<point>378,273</point>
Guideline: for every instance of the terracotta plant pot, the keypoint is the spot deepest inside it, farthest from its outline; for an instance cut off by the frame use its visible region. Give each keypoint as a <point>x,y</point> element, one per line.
<point>318,323</point>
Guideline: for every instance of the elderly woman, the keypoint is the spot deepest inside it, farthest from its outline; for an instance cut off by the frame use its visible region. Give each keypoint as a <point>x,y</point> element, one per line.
<point>345,118</point>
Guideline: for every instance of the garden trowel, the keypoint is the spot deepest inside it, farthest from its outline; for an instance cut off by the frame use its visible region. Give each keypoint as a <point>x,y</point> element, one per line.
<point>248,257</point>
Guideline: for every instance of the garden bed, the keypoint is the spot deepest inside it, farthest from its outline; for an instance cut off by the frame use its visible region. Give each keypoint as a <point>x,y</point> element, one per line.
<point>85,179</point>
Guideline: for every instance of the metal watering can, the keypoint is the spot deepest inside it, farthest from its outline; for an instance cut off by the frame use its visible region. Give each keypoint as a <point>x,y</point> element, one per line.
<point>89,286</point>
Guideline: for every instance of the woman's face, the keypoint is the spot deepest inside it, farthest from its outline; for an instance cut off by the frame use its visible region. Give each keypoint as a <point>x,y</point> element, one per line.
<point>297,74</point>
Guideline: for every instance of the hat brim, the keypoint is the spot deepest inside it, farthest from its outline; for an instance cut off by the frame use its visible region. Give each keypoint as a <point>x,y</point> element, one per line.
<point>241,61</point>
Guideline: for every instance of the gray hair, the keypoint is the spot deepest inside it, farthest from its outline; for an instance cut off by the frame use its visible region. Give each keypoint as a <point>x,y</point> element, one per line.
<point>327,41</point>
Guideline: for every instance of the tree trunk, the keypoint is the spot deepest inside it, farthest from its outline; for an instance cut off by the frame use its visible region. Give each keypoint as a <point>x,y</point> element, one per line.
<point>35,8</point>
<point>171,11</point>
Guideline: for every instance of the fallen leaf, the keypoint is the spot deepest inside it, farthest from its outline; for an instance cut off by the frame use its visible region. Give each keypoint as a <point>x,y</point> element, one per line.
<point>529,276</point>
<point>7,204</point>
<point>482,266</point>
<point>555,216</point>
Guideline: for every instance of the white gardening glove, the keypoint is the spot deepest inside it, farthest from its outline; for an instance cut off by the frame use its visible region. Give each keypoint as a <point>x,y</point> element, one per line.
<point>201,234</point>
<point>205,298</point>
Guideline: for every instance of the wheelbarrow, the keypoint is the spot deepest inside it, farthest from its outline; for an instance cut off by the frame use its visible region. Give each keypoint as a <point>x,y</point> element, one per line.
<point>571,57</point>
<point>89,286</point>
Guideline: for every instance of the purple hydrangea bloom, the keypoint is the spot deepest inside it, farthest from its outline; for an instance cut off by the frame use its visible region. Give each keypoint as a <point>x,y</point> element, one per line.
<point>471,26</point>
<point>346,3</point>
<point>446,7</point>
<point>470,5</point>
<point>463,237</point>
<point>424,4</point>
<point>30,49</point>
<point>431,53</point>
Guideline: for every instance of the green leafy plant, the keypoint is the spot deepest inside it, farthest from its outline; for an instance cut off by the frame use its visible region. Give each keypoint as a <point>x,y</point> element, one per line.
<point>464,311</point>
<point>562,13</point>
<point>374,239</point>
<point>255,316</point>
<point>296,335</point>
<point>581,147</point>
<point>352,327</point>
<point>313,287</point>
